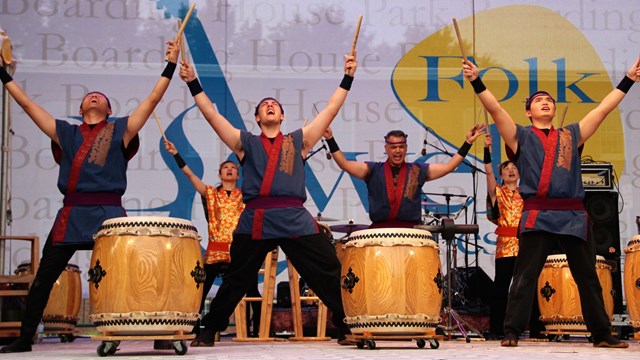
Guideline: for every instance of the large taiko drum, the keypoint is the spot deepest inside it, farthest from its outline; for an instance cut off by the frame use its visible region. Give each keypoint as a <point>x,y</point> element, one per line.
<point>632,281</point>
<point>146,276</point>
<point>391,282</point>
<point>63,307</point>
<point>558,297</point>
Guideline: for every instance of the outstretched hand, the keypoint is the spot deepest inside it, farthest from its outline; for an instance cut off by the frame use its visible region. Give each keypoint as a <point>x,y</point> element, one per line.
<point>350,64</point>
<point>168,145</point>
<point>187,73</point>
<point>172,51</point>
<point>487,141</point>
<point>474,132</point>
<point>470,70</point>
<point>634,72</point>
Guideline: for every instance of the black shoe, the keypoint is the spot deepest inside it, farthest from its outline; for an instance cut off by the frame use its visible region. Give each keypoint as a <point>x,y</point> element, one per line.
<point>206,338</point>
<point>17,346</point>
<point>609,341</point>
<point>343,339</point>
<point>491,336</point>
<point>162,345</point>
<point>510,340</point>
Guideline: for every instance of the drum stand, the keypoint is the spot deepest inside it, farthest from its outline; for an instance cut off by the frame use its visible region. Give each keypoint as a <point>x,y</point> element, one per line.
<point>448,230</point>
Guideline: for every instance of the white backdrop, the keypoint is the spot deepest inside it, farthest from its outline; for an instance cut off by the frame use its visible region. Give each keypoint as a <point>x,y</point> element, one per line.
<point>291,50</point>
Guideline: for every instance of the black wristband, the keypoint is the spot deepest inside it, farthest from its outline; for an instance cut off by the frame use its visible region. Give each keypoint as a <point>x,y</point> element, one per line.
<point>333,145</point>
<point>179,160</point>
<point>347,80</point>
<point>169,70</point>
<point>464,149</point>
<point>487,155</point>
<point>194,87</point>
<point>4,76</point>
<point>478,85</point>
<point>625,84</point>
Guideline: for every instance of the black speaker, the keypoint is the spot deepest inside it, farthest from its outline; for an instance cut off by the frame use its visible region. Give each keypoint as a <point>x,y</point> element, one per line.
<point>283,294</point>
<point>602,207</point>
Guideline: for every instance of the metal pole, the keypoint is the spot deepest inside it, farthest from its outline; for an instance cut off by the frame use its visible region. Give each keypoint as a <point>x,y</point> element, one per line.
<point>4,165</point>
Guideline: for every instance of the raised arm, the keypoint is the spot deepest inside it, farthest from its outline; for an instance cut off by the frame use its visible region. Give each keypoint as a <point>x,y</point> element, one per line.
<point>353,168</point>
<point>227,133</point>
<point>40,116</point>
<point>195,181</point>
<point>314,131</point>
<point>488,168</point>
<point>141,114</point>
<point>505,124</point>
<point>590,123</point>
<point>439,170</point>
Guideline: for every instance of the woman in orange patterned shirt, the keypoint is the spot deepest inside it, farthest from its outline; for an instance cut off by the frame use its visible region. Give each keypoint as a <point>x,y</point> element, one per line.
<point>223,206</point>
<point>504,208</point>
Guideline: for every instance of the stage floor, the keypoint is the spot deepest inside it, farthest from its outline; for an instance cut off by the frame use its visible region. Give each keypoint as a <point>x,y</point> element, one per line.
<point>576,347</point>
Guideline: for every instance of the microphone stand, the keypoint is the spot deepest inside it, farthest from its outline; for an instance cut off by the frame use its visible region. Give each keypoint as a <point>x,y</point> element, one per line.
<point>313,152</point>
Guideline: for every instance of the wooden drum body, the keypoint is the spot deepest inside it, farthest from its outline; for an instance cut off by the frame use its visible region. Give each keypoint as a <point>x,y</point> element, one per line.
<point>146,275</point>
<point>63,307</point>
<point>558,296</point>
<point>391,282</point>
<point>632,281</point>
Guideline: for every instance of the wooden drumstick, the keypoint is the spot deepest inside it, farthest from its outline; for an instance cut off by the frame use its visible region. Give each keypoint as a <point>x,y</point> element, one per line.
<point>184,24</point>
<point>182,47</point>
<point>160,126</point>
<point>564,113</point>
<point>464,53</point>
<point>355,36</point>
<point>486,119</point>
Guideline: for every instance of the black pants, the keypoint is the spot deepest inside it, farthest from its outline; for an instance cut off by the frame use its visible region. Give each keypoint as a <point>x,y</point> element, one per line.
<point>53,262</point>
<point>581,256</point>
<point>218,269</point>
<point>313,256</point>
<point>504,273</point>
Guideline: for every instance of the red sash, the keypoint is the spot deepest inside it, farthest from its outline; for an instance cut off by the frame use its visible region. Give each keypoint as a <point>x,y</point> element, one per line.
<point>394,192</point>
<point>89,136</point>
<point>549,145</point>
<point>273,152</point>
<point>511,231</point>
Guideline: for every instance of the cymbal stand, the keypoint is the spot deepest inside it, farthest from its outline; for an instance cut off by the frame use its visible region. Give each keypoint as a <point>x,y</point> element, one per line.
<point>448,230</point>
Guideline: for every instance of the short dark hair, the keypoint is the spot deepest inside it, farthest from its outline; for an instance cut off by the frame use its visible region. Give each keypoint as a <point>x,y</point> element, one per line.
<point>396,133</point>
<point>255,113</point>
<point>96,92</point>
<point>227,162</point>
<point>527,102</point>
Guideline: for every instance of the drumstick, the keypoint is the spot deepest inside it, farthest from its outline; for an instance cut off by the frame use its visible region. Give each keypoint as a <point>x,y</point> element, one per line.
<point>305,121</point>
<point>464,54</point>
<point>355,36</point>
<point>184,23</point>
<point>182,47</point>
<point>486,118</point>
<point>160,126</point>
<point>564,113</point>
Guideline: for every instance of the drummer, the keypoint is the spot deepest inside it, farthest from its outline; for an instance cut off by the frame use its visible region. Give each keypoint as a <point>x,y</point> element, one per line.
<point>93,161</point>
<point>392,205</point>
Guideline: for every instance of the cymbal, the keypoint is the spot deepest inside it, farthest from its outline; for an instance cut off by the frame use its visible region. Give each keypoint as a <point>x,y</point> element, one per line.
<point>348,228</point>
<point>319,217</point>
<point>431,203</point>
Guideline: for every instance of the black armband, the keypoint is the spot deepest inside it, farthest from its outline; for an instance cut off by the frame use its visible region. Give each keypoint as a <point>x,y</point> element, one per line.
<point>333,145</point>
<point>194,87</point>
<point>347,80</point>
<point>478,85</point>
<point>4,76</point>
<point>487,155</point>
<point>464,149</point>
<point>625,84</point>
<point>169,70</point>
<point>179,160</point>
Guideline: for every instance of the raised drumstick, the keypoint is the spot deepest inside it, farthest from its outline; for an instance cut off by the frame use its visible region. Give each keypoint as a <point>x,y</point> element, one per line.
<point>182,47</point>
<point>160,126</point>
<point>564,113</point>
<point>464,53</point>
<point>355,36</point>
<point>5,52</point>
<point>184,23</point>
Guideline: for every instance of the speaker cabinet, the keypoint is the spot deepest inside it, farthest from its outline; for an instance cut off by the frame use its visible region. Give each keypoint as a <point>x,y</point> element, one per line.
<point>602,207</point>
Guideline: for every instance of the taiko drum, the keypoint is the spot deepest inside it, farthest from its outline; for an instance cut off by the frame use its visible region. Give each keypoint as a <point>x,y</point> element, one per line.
<point>632,281</point>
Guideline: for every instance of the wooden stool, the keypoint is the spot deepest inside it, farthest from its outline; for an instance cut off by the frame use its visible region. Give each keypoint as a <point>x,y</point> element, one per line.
<point>296,310</point>
<point>269,270</point>
<point>268,291</point>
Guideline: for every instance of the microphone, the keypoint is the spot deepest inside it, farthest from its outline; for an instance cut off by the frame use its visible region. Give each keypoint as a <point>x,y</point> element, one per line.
<point>424,143</point>
<point>326,151</point>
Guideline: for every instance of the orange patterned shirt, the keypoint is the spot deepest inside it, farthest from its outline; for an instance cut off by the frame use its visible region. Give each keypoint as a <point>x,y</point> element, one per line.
<point>223,211</point>
<point>510,204</point>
